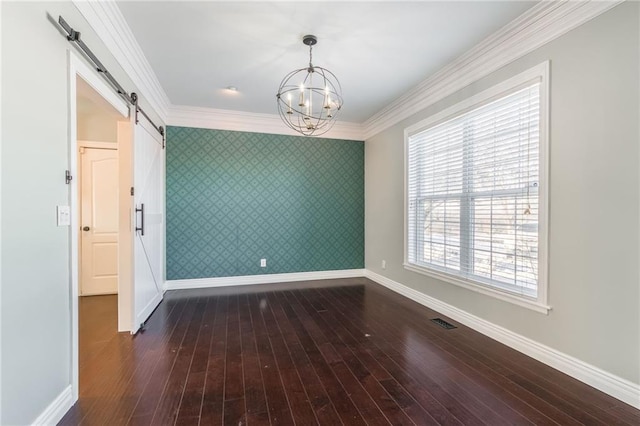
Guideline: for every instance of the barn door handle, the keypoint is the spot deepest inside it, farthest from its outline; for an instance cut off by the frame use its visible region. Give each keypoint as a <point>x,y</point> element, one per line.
<point>141,211</point>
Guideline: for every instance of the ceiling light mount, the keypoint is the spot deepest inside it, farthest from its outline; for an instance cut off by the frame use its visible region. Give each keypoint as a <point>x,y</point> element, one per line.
<point>310,40</point>
<point>309,98</point>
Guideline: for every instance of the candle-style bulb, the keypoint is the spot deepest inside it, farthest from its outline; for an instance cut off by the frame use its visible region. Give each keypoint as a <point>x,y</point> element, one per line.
<point>301,101</point>
<point>327,98</point>
<point>306,117</point>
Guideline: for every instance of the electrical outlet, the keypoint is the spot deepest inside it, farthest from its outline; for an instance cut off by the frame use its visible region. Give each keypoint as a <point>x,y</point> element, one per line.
<point>384,264</point>
<point>63,214</point>
<point>263,263</point>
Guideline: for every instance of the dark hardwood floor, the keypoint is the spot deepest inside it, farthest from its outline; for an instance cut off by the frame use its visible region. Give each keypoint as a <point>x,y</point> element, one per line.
<point>326,352</point>
<point>98,325</point>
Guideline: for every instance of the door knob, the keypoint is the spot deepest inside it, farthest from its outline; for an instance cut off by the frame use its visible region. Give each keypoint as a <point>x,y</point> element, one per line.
<point>86,228</point>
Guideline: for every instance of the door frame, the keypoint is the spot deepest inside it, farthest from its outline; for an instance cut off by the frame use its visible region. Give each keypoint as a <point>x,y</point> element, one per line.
<point>78,68</point>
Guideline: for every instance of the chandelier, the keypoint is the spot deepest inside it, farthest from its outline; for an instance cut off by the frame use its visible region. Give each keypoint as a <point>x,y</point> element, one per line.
<point>309,98</point>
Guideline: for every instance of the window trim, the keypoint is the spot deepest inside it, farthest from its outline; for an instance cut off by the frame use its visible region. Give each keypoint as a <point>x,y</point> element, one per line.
<point>538,73</point>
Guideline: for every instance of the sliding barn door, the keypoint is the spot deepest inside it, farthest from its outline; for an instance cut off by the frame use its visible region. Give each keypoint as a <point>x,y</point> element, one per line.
<point>148,179</point>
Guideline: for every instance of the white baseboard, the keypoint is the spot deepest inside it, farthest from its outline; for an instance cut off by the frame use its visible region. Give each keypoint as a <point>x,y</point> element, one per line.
<point>617,387</point>
<point>56,410</point>
<point>262,279</point>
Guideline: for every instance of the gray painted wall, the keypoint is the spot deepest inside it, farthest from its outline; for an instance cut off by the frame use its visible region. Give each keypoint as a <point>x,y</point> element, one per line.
<point>594,199</point>
<point>35,310</point>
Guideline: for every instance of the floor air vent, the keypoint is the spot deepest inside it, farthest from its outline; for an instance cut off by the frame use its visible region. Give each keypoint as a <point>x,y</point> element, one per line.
<point>442,323</point>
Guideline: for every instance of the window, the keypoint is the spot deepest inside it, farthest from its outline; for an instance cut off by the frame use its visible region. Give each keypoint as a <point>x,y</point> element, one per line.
<point>476,192</point>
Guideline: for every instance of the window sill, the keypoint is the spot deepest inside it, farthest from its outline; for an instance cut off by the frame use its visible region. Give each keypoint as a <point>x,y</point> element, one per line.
<point>478,288</point>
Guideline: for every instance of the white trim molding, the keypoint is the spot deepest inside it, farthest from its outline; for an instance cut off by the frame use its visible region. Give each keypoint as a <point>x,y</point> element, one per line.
<point>541,24</point>
<point>97,145</point>
<point>107,21</point>
<point>220,119</point>
<point>617,387</point>
<point>56,410</point>
<point>262,279</point>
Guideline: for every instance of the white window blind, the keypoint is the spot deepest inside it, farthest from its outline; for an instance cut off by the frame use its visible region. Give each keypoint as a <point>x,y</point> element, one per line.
<point>473,194</point>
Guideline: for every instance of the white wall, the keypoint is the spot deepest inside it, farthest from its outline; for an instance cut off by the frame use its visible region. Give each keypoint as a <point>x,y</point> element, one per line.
<point>594,199</point>
<point>35,310</point>
<point>97,128</point>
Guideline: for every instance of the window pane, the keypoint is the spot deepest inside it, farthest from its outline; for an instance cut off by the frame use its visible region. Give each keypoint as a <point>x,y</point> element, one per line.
<point>472,182</point>
<point>505,247</point>
<point>441,233</point>
<point>482,242</point>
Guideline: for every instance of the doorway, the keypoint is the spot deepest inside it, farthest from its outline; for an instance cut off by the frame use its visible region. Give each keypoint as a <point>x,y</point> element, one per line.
<point>100,160</point>
<point>98,212</point>
<point>140,180</point>
<point>99,227</point>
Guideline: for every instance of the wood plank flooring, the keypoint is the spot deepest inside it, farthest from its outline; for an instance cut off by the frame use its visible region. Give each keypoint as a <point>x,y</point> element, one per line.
<point>326,352</point>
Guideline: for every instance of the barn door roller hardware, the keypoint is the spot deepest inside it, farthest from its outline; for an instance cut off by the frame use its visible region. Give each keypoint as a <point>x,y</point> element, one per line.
<point>134,98</point>
<point>74,37</point>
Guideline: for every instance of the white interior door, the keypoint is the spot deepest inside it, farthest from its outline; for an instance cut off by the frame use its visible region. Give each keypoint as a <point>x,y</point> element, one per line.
<point>148,171</point>
<point>99,221</point>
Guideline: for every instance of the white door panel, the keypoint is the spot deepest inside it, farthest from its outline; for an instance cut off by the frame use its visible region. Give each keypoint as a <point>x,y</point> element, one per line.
<point>149,219</point>
<point>99,221</point>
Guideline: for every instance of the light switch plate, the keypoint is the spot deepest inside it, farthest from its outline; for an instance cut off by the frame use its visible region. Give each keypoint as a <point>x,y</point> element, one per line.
<point>64,215</point>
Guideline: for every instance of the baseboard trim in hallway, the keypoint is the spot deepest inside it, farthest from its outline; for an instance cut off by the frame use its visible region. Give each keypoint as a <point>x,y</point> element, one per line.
<point>56,410</point>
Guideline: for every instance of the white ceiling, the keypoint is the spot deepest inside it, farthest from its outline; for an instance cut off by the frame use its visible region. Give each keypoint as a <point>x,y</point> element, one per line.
<point>378,50</point>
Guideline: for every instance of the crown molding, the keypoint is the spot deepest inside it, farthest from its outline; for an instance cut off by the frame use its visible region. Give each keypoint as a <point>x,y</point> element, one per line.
<point>220,119</point>
<point>539,25</point>
<point>107,21</point>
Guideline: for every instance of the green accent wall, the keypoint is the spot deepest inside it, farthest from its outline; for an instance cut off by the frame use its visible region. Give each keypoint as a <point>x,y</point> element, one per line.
<point>234,198</point>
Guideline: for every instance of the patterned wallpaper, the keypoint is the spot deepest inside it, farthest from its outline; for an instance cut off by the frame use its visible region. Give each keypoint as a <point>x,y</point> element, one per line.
<point>236,197</point>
